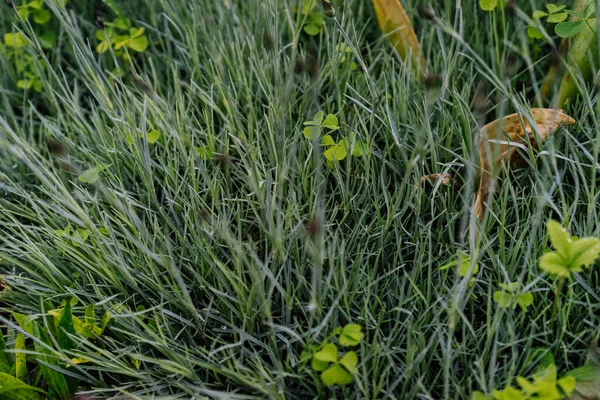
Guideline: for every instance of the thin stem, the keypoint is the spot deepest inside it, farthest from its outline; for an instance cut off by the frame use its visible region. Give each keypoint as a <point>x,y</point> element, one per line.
<point>559,286</point>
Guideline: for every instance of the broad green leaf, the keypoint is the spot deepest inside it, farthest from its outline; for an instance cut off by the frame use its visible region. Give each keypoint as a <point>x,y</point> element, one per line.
<point>311,29</point>
<point>336,375</point>
<point>48,39</point>
<point>90,314</point>
<point>480,396</point>
<point>38,85</point>
<point>553,263</point>
<point>103,47</point>
<point>525,300</point>
<point>560,238</point>
<point>91,175</point>
<point>510,393</point>
<point>5,358</point>
<point>331,122</point>
<point>349,361</point>
<point>305,356</point>
<point>15,389</point>
<point>136,32</point>
<point>36,4</point>
<point>328,353</point>
<point>317,119</point>
<point>138,44</point>
<point>24,321</point>
<point>559,17</point>
<point>553,8</point>
<point>105,319</point>
<point>327,140</point>
<point>24,83</point>
<point>205,153</point>
<point>567,384</point>
<point>584,252</point>
<point>337,152</point>
<point>503,299</point>
<point>57,381</point>
<point>511,287</point>
<point>311,132</point>
<point>527,386</point>
<point>83,234</point>
<point>359,149</point>
<point>16,40</point>
<point>488,5</point>
<point>42,16</point>
<point>537,14</point>
<point>318,365</point>
<point>568,29</point>
<point>20,357</point>
<point>153,136</point>
<point>66,328</point>
<point>351,335</point>
<point>465,265</point>
<point>23,12</point>
<point>585,373</point>
<point>534,32</point>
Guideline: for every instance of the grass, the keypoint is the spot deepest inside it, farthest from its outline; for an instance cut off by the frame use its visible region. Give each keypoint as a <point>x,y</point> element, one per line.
<point>220,271</point>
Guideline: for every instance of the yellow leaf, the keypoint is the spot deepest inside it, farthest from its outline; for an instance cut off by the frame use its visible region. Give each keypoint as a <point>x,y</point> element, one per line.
<point>398,30</point>
<point>499,141</point>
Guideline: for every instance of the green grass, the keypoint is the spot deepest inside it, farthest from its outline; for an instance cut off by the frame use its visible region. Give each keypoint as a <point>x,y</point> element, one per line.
<point>243,259</point>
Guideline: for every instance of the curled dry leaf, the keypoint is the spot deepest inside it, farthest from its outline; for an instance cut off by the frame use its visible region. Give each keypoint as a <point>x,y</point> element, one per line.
<point>395,24</point>
<point>446,179</point>
<point>499,141</point>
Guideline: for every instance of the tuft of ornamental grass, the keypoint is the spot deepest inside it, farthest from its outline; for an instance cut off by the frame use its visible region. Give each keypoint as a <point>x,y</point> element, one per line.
<point>220,270</point>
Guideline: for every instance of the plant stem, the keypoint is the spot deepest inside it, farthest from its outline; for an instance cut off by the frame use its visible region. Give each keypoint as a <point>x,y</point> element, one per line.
<point>559,286</point>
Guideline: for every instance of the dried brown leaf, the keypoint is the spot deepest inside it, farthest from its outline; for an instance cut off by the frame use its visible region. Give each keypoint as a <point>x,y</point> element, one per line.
<point>396,25</point>
<point>499,141</point>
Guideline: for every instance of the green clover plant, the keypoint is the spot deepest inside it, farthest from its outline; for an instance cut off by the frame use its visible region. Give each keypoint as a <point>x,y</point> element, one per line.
<point>558,15</point>
<point>464,268</point>
<point>543,384</point>
<point>120,35</point>
<point>333,151</point>
<point>511,296</point>
<point>572,255</point>
<point>335,368</point>
<point>315,19</point>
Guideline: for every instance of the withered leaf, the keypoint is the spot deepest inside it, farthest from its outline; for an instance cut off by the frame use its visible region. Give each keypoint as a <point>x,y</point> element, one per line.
<point>499,140</point>
<point>396,25</point>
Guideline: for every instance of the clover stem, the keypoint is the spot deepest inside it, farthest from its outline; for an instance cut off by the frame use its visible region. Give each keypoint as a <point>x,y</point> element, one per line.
<point>559,286</point>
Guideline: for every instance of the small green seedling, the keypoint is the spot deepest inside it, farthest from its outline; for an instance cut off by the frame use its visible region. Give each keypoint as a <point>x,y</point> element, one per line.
<point>333,151</point>
<point>572,255</point>
<point>464,267</point>
<point>120,35</point>
<point>315,19</point>
<point>511,296</point>
<point>543,384</point>
<point>77,236</point>
<point>335,368</point>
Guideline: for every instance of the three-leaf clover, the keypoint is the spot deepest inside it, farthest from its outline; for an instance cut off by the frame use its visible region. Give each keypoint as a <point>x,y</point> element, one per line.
<point>572,254</point>
<point>319,122</point>
<point>510,296</point>
<point>335,369</point>
<point>314,19</point>
<point>553,14</point>
<point>572,28</point>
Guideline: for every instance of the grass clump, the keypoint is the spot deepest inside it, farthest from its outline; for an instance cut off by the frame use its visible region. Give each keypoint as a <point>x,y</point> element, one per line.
<point>169,184</point>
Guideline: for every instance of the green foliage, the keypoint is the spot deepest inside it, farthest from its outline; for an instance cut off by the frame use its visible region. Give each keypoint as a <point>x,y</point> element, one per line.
<point>511,296</point>
<point>490,5</point>
<point>120,35</point>
<point>333,151</point>
<point>314,18</point>
<point>335,368</point>
<point>572,254</point>
<point>542,385</point>
<point>557,15</point>
<point>19,377</point>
